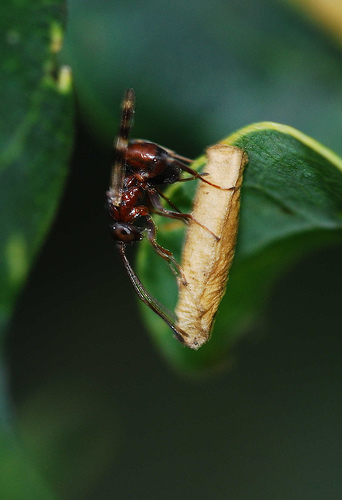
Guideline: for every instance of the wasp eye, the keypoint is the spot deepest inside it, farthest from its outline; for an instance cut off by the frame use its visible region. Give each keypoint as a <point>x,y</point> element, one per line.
<point>125,232</point>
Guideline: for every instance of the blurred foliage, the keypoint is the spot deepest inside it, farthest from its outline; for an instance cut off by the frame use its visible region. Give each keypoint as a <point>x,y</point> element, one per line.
<point>19,476</point>
<point>291,203</point>
<point>35,137</point>
<point>35,144</point>
<point>70,451</point>
<point>199,71</point>
<point>326,14</point>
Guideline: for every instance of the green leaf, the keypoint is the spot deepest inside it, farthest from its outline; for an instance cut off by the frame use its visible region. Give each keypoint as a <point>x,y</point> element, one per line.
<point>35,137</point>
<point>291,202</point>
<point>36,122</point>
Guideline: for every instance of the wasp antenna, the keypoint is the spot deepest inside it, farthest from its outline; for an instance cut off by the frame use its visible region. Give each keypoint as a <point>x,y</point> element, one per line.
<point>146,297</point>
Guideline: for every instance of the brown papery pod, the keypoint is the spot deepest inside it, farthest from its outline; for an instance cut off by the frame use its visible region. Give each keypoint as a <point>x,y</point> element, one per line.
<point>206,260</point>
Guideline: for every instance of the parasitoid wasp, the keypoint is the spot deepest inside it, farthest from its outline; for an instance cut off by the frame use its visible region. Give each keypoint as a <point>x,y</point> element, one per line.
<point>141,169</point>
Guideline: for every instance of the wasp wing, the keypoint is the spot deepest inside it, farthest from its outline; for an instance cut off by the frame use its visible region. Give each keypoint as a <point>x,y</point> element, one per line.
<point>117,182</point>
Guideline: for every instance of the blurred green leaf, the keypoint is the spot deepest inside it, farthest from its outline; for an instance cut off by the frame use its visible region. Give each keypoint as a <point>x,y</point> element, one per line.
<point>291,203</point>
<point>35,143</point>
<point>203,68</point>
<point>19,479</point>
<point>71,432</point>
<point>35,137</point>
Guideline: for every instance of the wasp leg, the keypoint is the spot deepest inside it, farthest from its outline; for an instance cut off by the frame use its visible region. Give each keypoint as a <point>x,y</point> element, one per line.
<point>196,175</point>
<point>192,178</point>
<point>181,158</point>
<point>168,201</point>
<point>160,210</point>
<point>163,252</point>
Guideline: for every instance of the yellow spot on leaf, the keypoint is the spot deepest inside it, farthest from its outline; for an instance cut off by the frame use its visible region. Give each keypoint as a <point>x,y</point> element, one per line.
<point>17,261</point>
<point>64,79</point>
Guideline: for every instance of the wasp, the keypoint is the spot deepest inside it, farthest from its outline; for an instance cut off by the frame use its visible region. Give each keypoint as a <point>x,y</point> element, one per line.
<point>141,170</point>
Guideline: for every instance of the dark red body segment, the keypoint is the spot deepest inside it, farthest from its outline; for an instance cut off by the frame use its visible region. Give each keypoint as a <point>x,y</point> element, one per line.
<point>153,163</point>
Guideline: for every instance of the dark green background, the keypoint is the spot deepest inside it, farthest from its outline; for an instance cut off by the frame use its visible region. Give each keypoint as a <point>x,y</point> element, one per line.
<point>99,410</point>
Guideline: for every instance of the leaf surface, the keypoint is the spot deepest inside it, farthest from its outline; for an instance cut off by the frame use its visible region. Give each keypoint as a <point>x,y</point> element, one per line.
<point>291,203</point>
